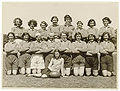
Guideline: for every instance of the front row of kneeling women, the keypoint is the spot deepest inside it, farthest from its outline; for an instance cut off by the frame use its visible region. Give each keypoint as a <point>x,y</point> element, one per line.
<point>39,58</point>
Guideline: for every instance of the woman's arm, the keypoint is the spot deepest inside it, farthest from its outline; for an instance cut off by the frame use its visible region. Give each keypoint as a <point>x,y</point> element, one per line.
<point>7,48</point>
<point>102,50</point>
<point>62,67</point>
<point>111,47</point>
<point>50,64</point>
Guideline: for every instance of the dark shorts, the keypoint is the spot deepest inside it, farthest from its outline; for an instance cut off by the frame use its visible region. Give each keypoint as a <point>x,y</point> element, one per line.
<point>67,60</point>
<point>107,63</point>
<point>78,59</point>
<point>92,62</point>
<point>25,60</point>
<point>11,62</point>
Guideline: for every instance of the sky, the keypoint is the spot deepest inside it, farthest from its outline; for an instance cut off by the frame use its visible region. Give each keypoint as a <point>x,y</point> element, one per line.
<point>43,11</point>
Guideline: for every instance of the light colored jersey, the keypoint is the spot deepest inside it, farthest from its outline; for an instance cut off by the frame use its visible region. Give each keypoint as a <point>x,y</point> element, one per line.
<point>106,46</point>
<point>93,47</point>
<point>67,29</point>
<point>81,45</point>
<point>11,46</point>
<point>56,64</point>
<point>32,32</point>
<point>93,31</point>
<point>108,29</point>
<point>24,45</point>
<point>82,31</point>
<point>18,31</point>
<point>44,33</point>
<point>54,29</point>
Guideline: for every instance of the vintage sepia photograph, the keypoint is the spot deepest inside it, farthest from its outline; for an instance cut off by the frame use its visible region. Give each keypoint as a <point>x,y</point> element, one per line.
<point>60,44</point>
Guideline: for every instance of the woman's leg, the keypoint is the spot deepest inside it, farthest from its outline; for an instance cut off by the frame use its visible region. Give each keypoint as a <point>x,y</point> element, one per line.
<point>81,70</point>
<point>104,66</point>
<point>88,66</point>
<point>75,69</point>
<point>67,71</point>
<point>8,64</point>
<point>95,66</point>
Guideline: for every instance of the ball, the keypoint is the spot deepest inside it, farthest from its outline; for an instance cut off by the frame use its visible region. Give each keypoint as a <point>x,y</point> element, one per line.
<point>54,74</point>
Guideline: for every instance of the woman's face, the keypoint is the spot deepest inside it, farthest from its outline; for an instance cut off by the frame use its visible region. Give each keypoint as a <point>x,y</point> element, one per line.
<point>92,24</point>
<point>64,36</point>
<point>43,26</point>
<point>79,25</point>
<point>105,37</point>
<point>105,22</point>
<point>38,38</point>
<point>91,38</point>
<point>54,21</point>
<point>32,25</point>
<point>26,37</point>
<point>17,22</point>
<point>78,37</point>
<point>11,37</point>
<point>56,37</point>
<point>57,54</point>
<point>68,21</point>
<point>51,37</point>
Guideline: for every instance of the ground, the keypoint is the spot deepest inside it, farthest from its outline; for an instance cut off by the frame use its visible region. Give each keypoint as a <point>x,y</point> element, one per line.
<point>63,82</point>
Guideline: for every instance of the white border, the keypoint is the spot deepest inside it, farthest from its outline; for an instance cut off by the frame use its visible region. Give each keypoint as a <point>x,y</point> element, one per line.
<point>53,1</point>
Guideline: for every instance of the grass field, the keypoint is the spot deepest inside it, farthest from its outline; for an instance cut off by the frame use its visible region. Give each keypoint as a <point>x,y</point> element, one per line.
<point>63,82</point>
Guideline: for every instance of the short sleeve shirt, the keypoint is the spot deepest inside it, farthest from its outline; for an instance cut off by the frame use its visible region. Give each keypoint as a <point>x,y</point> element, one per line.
<point>31,32</point>
<point>107,29</point>
<point>67,29</point>
<point>93,31</point>
<point>54,29</point>
<point>18,31</point>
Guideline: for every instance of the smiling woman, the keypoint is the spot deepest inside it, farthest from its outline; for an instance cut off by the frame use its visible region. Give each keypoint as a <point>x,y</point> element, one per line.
<point>45,10</point>
<point>58,40</point>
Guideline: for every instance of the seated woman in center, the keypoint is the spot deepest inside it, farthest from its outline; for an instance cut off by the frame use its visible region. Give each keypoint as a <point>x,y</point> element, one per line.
<point>56,64</point>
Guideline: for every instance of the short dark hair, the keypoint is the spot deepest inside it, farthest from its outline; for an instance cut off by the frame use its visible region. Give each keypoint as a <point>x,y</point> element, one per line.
<point>44,23</point>
<point>34,22</point>
<point>79,22</point>
<point>91,21</point>
<point>91,35</point>
<point>12,34</point>
<point>14,21</point>
<point>53,18</point>
<point>102,37</point>
<point>25,33</point>
<point>67,16</point>
<point>78,33</point>
<point>107,18</point>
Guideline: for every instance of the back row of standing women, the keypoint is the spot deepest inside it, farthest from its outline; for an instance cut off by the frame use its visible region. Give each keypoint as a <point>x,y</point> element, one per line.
<point>68,28</point>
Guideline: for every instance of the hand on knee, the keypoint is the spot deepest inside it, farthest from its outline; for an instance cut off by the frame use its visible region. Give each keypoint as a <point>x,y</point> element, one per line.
<point>104,72</point>
<point>9,72</point>
<point>88,71</point>
<point>95,72</point>
<point>76,71</point>
<point>14,72</point>
<point>22,71</point>
<point>81,71</point>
